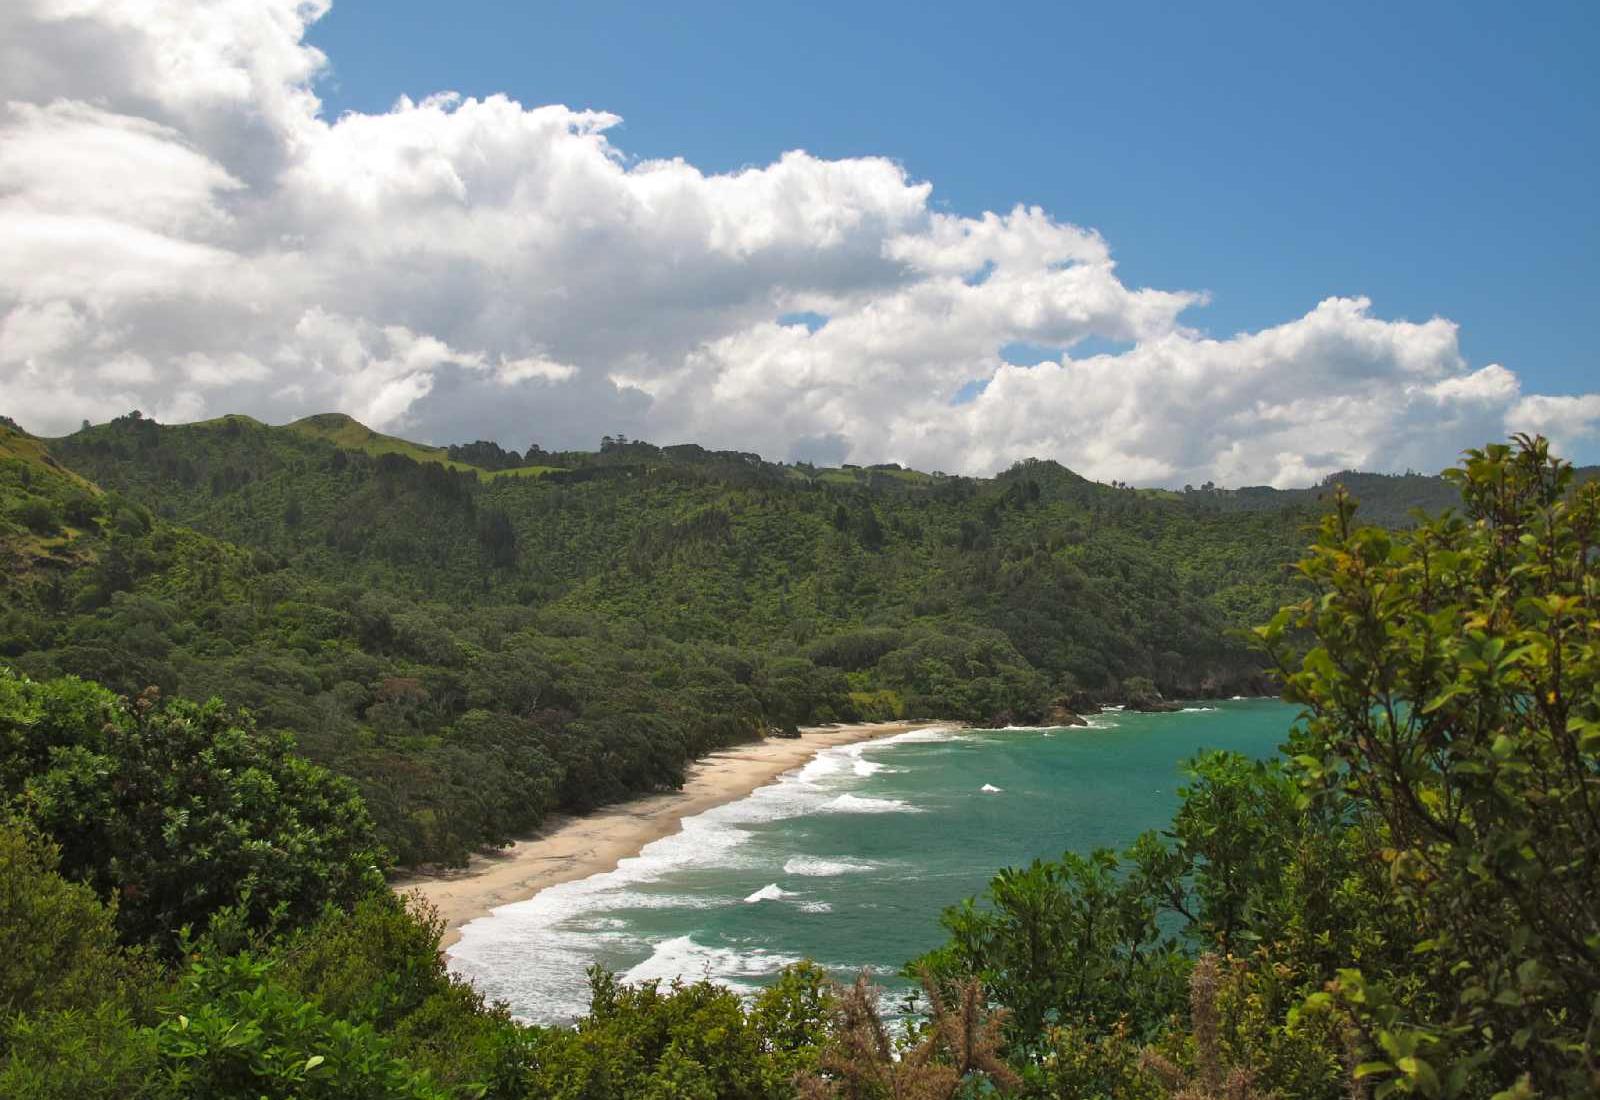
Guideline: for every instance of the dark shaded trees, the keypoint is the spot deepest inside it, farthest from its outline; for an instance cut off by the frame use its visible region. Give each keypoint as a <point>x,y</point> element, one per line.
<point>180,809</point>
<point>497,538</point>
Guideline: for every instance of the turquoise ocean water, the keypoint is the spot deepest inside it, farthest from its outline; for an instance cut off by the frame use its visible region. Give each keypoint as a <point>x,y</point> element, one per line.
<point>850,860</point>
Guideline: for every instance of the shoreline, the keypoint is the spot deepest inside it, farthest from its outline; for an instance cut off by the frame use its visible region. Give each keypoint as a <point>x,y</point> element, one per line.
<point>569,847</point>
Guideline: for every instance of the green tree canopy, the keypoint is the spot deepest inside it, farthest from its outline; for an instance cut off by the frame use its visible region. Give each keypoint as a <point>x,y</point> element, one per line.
<point>179,808</point>
<point>1453,693</point>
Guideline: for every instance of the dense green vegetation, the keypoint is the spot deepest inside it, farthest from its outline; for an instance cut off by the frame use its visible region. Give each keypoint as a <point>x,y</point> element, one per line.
<point>474,649</point>
<point>1402,904</point>
<point>1387,500</point>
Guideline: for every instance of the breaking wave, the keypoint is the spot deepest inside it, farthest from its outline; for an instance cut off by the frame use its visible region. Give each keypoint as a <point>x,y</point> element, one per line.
<point>565,926</point>
<point>682,957</point>
<point>770,892</point>
<point>813,867</point>
<point>856,804</point>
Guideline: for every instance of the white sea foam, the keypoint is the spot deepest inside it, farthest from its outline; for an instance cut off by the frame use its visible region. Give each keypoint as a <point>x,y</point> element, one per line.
<point>814,907</point>
<point>556,986</point>
<point>856,804</point>
<point>565,926</point>
<point>601,924</point>
<point>770,892</point>
<point>812,867</point>
<point>682,957</point>
<point>1196,710</point>
<point>990,788</point>
<point>931,735</point>
<point>825,763</point>
<point>859,765</point>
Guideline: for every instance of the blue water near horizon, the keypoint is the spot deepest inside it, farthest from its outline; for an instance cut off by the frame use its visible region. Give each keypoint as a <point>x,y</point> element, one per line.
<point>850,860</point>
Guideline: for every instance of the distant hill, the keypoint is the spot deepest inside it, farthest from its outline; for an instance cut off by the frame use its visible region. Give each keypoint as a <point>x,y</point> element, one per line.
<point>21,451</point>
<point>1385,499</point>
<point>767,550</point>
<point>50,506</point>
<point>1388,500</point>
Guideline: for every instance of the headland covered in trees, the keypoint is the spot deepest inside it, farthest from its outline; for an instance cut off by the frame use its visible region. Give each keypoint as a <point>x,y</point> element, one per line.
<point>413,654</point>
<point>478,647</point>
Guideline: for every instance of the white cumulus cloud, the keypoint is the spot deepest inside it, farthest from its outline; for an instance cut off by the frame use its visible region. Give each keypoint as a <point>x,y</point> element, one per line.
<point>187,233</point>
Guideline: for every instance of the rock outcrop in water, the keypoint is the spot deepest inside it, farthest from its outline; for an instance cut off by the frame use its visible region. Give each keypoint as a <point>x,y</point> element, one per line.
<point>1060,714</point>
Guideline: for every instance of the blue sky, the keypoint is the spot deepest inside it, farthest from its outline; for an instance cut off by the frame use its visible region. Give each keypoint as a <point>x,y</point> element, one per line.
<point>1439,158</point>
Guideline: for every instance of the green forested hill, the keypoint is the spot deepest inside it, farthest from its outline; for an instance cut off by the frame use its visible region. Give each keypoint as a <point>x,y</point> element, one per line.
<point>1088,582</point>
<point>477,644</point>
<point>1387,499</point>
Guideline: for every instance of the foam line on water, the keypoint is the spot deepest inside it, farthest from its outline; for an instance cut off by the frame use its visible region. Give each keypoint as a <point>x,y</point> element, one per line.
<point>856,804</point>
<point>813,867</point>
<point>563,925</point>
<point>682,957</point>
<point>930,735</point>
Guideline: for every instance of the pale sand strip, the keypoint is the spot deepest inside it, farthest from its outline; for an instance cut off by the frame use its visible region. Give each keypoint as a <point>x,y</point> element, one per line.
<point>570,848</point>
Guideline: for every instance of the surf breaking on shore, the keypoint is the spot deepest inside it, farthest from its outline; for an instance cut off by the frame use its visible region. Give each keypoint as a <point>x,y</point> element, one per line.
<point>546,899</point>
<point>844,858</point>
<point>575,848</point>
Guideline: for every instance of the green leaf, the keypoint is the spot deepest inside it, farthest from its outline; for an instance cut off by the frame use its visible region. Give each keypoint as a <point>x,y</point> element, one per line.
<point>1422,1073</point>
<point>1444,697</point>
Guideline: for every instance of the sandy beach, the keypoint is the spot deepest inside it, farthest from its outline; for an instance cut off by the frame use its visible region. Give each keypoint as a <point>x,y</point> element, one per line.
<point>570,848</point>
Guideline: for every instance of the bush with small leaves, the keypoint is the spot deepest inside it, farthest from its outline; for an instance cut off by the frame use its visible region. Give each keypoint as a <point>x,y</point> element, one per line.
<point>180,809</point>
<point>1452,691</point>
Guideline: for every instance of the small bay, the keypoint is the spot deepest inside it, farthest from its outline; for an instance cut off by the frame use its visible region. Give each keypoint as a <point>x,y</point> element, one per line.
<point>850,860</point>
